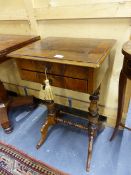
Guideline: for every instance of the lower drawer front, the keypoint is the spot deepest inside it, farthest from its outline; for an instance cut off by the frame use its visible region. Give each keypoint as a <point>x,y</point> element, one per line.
<point>57,81</point>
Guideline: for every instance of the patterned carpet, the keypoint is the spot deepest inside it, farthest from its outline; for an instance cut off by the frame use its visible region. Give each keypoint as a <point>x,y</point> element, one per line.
<point>15,162</point>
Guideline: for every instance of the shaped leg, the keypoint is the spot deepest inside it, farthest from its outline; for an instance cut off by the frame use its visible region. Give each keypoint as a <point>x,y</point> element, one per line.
<point>93,124</point>
<point>44,130</point>
<point>121,97</point>
<point>49,122</point>
<point>91,133</point>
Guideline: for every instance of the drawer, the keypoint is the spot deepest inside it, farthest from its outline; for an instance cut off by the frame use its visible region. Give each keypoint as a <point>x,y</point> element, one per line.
<point>29,76</point>
<point>55,80</point>
<point>54,68</point>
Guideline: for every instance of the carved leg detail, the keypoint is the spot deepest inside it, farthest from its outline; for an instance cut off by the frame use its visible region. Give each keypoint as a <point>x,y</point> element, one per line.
<point>121,97</point>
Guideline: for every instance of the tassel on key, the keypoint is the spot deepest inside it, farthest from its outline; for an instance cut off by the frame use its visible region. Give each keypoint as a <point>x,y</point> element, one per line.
<point>47,93</point>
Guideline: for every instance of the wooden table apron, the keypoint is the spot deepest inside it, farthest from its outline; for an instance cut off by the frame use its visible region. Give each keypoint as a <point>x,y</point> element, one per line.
<point>72,63</point>
<point>9,43</point>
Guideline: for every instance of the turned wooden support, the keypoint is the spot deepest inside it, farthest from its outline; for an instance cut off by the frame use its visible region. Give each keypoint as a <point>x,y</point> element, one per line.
<point>93,124</point>
<point>93,108</point>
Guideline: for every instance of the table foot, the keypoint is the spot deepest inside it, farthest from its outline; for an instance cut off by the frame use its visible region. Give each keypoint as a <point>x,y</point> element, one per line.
<point>114,133</point>
<point>8,130</point>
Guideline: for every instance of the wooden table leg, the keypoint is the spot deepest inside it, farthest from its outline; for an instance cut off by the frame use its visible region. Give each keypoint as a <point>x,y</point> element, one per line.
<point>91,132</point>
<point>4,120</point>
<point>121,97</point>
<point>93,124</point>
<point>49,122</point>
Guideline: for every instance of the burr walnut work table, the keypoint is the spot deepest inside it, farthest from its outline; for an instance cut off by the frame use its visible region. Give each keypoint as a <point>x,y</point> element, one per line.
<point>9,43</point>
<point>71,63</point>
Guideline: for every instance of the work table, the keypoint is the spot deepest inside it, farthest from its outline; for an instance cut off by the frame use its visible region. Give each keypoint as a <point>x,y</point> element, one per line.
<point>78,64</point>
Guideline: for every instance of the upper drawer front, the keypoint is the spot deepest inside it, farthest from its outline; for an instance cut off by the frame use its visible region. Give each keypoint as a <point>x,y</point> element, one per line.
<point>55,80</point>
<point>54,68</point>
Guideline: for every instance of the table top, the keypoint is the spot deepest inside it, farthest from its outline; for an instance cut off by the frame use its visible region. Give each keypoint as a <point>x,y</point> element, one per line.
<point>86,52</point>
<point>9,43</point>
